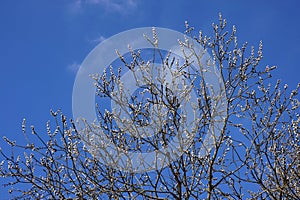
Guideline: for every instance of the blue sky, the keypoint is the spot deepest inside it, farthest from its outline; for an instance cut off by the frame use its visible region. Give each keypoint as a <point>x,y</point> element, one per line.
<point>43,42</point>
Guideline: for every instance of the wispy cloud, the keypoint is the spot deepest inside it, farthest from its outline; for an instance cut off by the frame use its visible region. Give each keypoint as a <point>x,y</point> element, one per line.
<point>116,6</point>
<point>98,39</point>
<point>74,67</point>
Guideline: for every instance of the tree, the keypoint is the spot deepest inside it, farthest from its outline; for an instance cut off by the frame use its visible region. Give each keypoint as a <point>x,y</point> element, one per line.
<point>255,154</point>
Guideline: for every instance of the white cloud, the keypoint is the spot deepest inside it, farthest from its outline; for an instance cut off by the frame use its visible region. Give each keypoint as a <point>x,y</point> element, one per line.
<point>119,6</point>
<point>98,39</point>
<point>74,67</point>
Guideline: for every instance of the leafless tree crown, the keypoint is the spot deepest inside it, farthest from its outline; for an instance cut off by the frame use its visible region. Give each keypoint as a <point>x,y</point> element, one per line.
<point>256,156</point>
